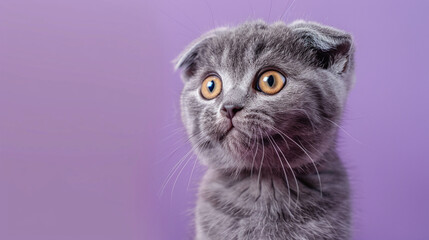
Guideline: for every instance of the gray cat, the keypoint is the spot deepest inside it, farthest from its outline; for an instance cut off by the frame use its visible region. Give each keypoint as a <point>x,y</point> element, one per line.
<point>261,105</point>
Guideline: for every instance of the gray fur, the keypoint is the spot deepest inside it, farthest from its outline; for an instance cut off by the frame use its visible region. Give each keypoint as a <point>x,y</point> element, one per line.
<point>261,184</point>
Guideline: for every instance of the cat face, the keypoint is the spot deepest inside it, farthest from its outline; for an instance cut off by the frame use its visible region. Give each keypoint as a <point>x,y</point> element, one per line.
<point>261,95</point>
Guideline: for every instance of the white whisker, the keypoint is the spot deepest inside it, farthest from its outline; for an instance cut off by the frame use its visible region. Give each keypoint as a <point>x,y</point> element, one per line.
<point>192,173</point>
<point>178,164</point>
<point>179,147</point>
<point>343,130</point>
<point>177,177</point>
<point>254,156</point>
<point>287,10</point>
<point>308,117</point>
<point>308,155</point>
<point>290,167</point>
<point>281,163</point>
<point>262,161</point>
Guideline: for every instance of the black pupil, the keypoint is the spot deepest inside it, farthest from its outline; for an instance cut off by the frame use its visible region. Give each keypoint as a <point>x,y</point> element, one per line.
<point>270,80</point>
<point>211,85</point>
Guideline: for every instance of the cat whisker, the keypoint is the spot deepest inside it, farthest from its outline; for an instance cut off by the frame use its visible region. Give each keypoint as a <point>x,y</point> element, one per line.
<point>315,149</point>
<point>287,10</point>
<point>308,117</point>
<point>198,145</point>
<point>179,147</point>
<point>337,125</point>
<point>281,163</point>
<point>254,155</point>
<point>181,138</point>
<point>306,153</point>
<point>172,172</point>
<point>341,128</point>
<point>173,133</point>
<point>192,173</point>
<point>262,162</point>
<point>177,165</point>
<point>178,175</point>
<point>167,125</point>
<point>193,168</point>
<point>248,141</point>
<point>271,127</point>
<point>290,167</point>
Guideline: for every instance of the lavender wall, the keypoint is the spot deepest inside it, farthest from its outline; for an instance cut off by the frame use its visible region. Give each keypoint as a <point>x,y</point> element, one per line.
<point>89,119</point>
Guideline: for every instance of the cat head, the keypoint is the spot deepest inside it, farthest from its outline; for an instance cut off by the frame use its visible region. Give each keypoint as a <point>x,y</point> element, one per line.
<point>257,95</point>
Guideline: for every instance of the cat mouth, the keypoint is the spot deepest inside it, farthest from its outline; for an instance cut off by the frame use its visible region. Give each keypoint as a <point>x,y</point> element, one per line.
<point>267,140</point>
<point>232,130</point>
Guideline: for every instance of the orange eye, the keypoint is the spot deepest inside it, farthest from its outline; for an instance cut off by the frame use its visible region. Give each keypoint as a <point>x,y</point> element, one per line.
<point>211,87</point>
<point>271,82</point>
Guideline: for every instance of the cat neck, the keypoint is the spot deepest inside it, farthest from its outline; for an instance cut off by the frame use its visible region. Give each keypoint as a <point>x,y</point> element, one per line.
<point>311,177</point>
<point>263,186</point>
<point>318,164</point>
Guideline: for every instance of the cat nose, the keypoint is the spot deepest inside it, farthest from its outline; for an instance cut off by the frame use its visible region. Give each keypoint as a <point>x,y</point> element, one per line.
<point>229,110</point>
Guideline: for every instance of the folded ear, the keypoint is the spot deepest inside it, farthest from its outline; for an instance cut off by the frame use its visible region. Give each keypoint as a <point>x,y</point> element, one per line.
<point>329,48</point>
<point>188,58</point>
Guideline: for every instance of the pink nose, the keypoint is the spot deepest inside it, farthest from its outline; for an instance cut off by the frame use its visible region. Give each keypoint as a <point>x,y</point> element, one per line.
<point>229,110</point>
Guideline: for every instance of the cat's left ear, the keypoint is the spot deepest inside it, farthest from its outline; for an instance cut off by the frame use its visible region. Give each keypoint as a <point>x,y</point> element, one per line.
<point>329,48</point>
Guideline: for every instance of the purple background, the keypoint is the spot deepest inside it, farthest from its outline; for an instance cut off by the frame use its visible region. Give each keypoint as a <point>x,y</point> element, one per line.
<point>89,114</point>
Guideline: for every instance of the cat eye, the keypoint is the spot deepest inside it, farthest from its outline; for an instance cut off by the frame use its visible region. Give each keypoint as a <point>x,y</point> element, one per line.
<point>270,82</point>
<point>211,87</point>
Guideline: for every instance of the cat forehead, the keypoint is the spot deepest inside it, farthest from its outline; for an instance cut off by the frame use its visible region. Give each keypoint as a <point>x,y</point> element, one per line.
<point>249,31</point>
<point>245,47</point>
<point>248,38</point>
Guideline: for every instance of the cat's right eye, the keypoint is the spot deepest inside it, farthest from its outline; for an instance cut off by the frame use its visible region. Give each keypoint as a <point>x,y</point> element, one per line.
<point>211,87</point>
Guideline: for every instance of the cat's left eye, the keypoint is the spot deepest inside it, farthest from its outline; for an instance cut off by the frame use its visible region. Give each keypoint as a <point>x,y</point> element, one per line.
<point>270,82</point>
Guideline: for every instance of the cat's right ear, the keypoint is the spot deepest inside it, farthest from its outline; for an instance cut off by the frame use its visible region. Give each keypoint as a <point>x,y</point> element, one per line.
<point>188,59</point>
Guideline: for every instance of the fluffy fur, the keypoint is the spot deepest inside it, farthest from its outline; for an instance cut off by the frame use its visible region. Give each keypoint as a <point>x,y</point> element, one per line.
<point>276,174</point>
